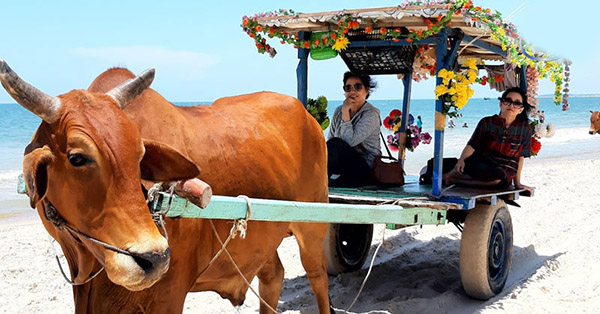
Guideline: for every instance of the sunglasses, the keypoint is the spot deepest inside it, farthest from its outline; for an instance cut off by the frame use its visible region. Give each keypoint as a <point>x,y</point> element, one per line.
<point>509,102</point>
<point>357,87</point>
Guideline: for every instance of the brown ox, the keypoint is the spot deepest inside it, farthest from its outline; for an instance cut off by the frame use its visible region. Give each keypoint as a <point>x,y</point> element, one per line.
<point>87,158</point>
<point>595,122</point>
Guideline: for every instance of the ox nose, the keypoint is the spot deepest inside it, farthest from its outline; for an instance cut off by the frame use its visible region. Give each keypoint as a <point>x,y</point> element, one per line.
<point>152,262</point>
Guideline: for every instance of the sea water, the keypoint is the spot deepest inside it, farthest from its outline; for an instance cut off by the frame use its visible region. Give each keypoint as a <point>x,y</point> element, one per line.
<point>571,139</point>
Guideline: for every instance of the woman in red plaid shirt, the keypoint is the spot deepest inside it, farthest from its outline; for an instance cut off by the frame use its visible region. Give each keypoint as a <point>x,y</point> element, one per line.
<point>495,153</point>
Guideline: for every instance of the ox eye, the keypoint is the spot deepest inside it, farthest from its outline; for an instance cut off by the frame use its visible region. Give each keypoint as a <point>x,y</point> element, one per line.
<point>78,160</point>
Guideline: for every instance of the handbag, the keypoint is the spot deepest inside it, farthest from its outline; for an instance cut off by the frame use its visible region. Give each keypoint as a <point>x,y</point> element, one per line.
<point>388,170</point>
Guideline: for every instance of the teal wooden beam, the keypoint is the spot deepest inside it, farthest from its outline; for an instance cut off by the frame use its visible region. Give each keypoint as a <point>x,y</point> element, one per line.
<point>227,207</point>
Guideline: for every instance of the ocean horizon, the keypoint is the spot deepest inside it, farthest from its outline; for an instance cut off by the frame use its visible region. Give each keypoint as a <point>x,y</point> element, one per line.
<point>571,140</point>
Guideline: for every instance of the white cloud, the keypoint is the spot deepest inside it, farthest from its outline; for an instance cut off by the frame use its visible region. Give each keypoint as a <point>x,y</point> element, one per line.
<point>149,56</point>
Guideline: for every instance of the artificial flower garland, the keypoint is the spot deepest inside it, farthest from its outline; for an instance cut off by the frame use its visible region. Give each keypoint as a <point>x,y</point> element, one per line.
<point>503,31</point>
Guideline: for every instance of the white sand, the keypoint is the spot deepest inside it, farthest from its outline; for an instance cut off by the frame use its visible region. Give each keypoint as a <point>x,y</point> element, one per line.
<point>556,263</point>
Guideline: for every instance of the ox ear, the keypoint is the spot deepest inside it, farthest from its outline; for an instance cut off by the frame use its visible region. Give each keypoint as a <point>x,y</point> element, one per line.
<point>35,173</point>
<point>162,163</point>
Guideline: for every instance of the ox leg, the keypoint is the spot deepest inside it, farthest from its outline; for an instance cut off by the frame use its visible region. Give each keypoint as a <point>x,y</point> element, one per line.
<point>270,279</point>
<point>310,238</point>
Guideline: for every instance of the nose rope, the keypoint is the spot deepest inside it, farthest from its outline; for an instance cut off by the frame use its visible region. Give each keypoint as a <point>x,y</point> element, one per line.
<point>52,215</point>
<point>62,271</point>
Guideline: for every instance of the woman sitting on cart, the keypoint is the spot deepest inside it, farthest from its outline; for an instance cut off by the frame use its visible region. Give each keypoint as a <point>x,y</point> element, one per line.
<point>353,141</point>
<point>495,153</point>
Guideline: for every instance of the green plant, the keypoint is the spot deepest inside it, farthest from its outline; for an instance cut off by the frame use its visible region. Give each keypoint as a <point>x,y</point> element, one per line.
<point>318,109</point>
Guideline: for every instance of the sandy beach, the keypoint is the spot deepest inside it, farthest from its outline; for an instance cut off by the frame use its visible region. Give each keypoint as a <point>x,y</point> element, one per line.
<point>554,270</point>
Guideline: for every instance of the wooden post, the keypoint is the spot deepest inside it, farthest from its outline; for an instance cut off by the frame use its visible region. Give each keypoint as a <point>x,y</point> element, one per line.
<point>407,82</point>
<point>302,70</point>
<point>440,118</point>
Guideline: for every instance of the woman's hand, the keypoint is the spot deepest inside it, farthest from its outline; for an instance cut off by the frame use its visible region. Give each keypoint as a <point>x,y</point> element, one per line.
<point>349,108</point>
<point>519,186</point>
<point>460,166</point>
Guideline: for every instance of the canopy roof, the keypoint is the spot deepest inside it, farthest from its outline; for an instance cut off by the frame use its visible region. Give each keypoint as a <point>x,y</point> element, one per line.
<point>410,17</point>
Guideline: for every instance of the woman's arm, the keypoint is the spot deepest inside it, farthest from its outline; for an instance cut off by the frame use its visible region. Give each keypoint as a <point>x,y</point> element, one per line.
<point>517,179</point>
<point>466,153</point>
<point>356,133</point>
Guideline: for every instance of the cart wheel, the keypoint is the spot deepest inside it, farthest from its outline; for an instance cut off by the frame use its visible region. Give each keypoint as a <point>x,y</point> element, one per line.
<point>347,246</point>
<point>486,250</point>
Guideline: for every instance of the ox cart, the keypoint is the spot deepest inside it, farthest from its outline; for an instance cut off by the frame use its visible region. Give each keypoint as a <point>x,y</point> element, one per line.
<point>385,41</point>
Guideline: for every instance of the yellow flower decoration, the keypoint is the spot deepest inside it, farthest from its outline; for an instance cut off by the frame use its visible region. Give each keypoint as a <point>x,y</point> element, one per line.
<point>472,76</point>
<point>446,75</point>
<point>341,43</point>
<point>471,63</point>
<point>440,90</point>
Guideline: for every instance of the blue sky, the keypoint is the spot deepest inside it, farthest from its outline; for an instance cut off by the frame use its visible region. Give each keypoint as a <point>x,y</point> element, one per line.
<point>200,52</point>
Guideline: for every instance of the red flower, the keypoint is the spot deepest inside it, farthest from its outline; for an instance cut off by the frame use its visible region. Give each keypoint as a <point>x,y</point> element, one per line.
<point>325,40</point>
<point>282,42</point>
<point>383,31</point>
<point>409,40</point>
<point>398,30</point>
<point>535,146</point>
<point>395,113</point>
<point>395,40</point>
<point>245,22</point>
<point>439,18</point>
<point>271,31</point>
<point>333,36</point>
<point>251,35</point>
<point>345,31</point>
<point>388,123</point>
<point>306,44</point>
<point>368,29</point>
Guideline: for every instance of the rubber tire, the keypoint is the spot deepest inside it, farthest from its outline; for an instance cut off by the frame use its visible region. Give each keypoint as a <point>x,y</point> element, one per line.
<point>347,246</point>
<point>486,250</point>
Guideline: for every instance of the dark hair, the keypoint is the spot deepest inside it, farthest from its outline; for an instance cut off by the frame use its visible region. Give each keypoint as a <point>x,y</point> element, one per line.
<point>526,106</point>
<point>366,80</point>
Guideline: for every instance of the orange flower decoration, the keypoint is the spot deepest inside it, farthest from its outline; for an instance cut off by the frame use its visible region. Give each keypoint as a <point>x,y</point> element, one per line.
<point>251,35</point>
<point>306,44</point>
<point>345,31</point>
<point>317,41</point>
<point>409,40</point>
<point>333,36</point>
<point>383,31</point>
<point>368,29</point>
<point>245,22</point>
<point>271,31</point>
<point>259,28</point>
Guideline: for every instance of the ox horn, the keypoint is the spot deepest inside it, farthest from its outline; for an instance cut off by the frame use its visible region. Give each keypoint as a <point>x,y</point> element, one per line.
<point>34,100</point>
<point>130,89</point>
